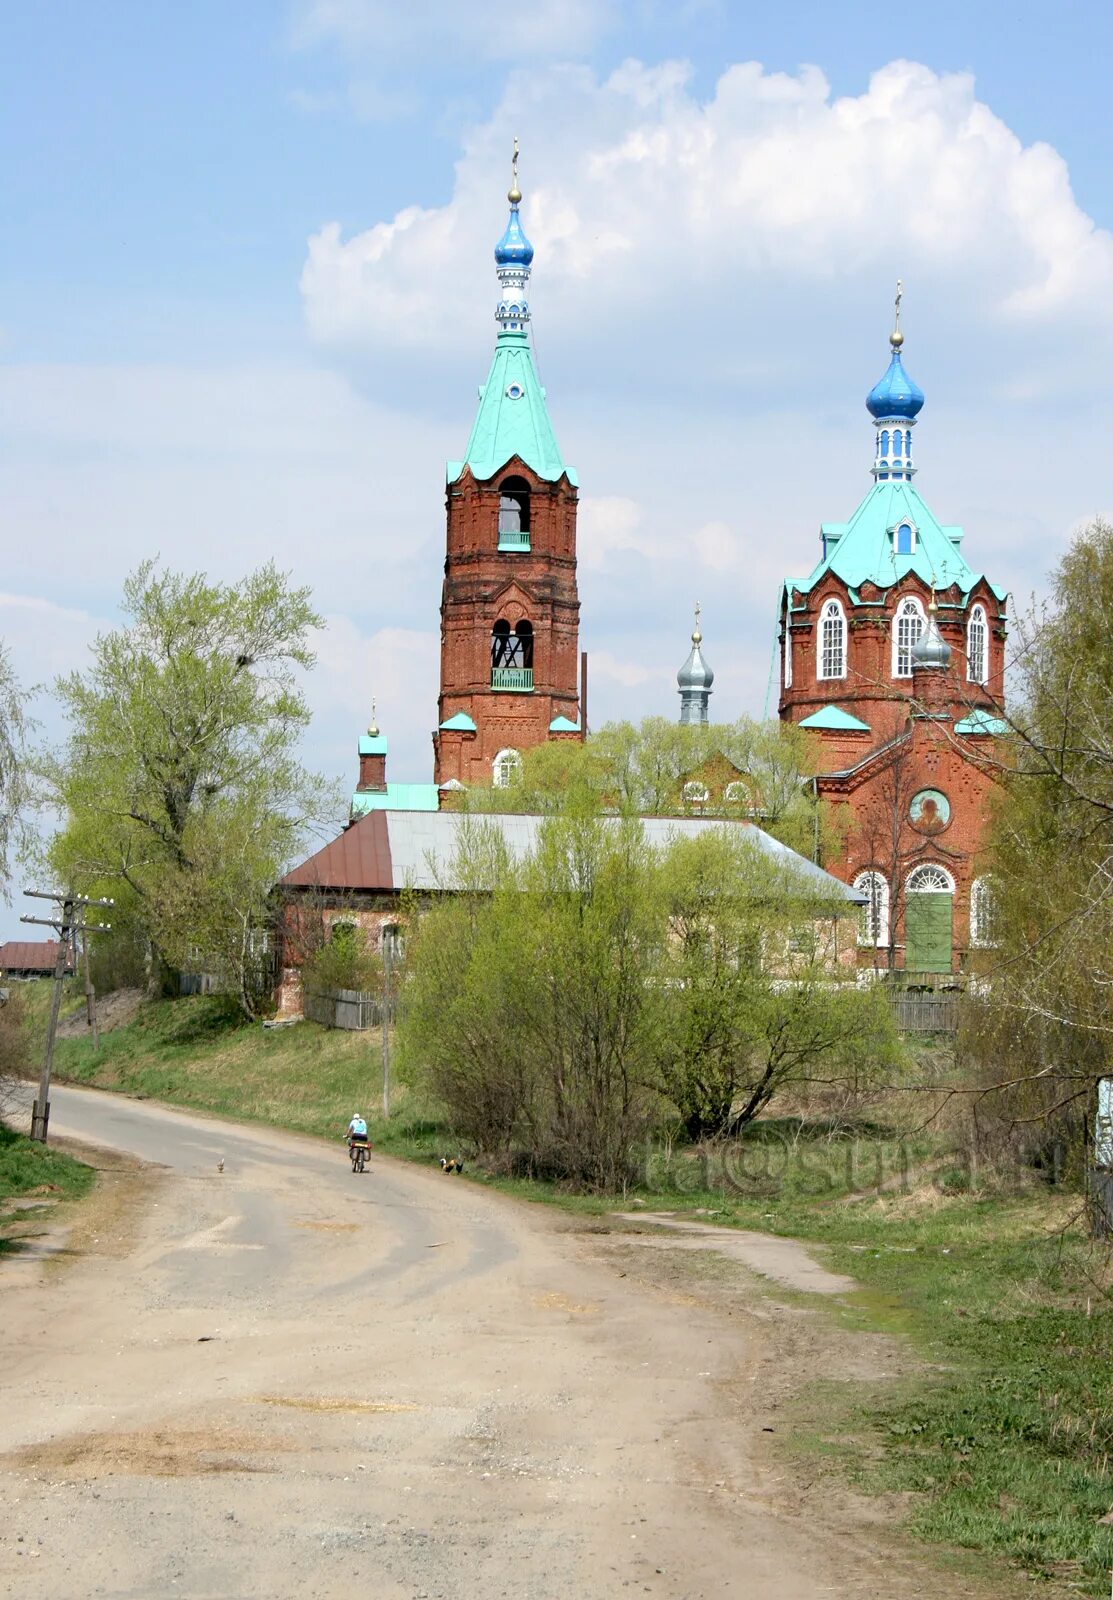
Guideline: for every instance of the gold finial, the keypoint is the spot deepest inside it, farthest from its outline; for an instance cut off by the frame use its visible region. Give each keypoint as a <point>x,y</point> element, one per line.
<point>373,725</point>
<point>932,607</point>
<point>896,338</point>
<point>697,636</point>
<point>514,194</point>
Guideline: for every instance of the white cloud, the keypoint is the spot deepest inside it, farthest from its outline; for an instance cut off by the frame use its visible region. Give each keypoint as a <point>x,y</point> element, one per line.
<point>642,197</point>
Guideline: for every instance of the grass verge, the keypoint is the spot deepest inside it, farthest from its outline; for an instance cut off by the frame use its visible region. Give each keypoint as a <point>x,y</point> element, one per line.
<point>27,1169</point>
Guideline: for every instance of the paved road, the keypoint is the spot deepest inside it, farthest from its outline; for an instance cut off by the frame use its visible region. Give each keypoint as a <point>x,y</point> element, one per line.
<point>285,1380</point>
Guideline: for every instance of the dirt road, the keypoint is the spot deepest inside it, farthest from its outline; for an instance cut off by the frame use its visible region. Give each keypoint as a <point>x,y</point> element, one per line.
<point>281,1379</point>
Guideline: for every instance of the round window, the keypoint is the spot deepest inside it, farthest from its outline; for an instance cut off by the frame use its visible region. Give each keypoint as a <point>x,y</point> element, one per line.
<point>515,391</point>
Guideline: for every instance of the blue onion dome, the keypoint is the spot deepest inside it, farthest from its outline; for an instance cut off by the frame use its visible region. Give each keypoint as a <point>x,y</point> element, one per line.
<point>514,249</point>
<point>895,395</point>
<point>931,649</point>
<point>695,673</point>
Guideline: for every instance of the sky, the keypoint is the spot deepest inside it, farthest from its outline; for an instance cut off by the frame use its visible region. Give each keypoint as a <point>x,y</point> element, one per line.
<point>247,296</point>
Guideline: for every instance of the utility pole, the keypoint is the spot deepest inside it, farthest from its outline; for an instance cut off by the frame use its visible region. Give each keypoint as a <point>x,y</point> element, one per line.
<point>40,1111</point>
<point>90,992</point>
<point>388,942</point>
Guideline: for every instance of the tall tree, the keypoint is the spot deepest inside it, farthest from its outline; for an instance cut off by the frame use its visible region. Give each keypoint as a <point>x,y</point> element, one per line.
<point>13,775</point>
<point>1046,1031</point>
<point>641,770</point>
<point>180,780</point>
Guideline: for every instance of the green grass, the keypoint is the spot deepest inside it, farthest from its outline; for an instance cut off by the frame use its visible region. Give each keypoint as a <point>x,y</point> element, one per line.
<point>1004,1447</point>
<point>202,1054</point>
<point>26,1168</point>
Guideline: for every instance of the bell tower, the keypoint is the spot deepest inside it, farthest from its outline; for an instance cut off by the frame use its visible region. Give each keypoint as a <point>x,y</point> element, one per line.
<point>509,604</point>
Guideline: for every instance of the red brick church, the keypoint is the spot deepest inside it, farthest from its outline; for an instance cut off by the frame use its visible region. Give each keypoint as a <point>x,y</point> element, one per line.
<point>892,653</point>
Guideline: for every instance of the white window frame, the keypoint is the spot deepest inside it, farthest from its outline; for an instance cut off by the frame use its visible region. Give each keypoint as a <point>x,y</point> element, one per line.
<point>924,867</point>
<point>977,670</point>
<point>695,793</point>
<point>908,606</point>
<point>873,922</point>
<point>830,611</point>
<point>506,768</point>
<point>788,649</point>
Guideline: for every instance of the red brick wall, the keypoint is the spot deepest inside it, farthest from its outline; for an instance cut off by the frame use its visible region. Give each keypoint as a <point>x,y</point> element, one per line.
<point>483,584</point>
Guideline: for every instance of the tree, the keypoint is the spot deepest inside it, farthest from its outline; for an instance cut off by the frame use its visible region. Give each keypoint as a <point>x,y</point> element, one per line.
<point>1045,1032</point>
<point>13,775</point>
<point>527,1008</point>
<point>574,999</point>
<point>179,780</point>
<point>758,1001</point>
<point>762,771</point>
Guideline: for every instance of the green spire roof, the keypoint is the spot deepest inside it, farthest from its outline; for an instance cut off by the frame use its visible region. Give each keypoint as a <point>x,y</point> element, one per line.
<point>513,419</point>
<point>865,549</point>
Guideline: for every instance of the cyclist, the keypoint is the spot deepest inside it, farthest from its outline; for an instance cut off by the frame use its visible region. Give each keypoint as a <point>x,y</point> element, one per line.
<point>357,1131</point>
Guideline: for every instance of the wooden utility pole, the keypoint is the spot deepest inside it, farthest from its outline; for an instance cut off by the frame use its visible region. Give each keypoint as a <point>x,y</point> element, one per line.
<point>90,992</point>
<point>64,924</point>
<point>388,942</point>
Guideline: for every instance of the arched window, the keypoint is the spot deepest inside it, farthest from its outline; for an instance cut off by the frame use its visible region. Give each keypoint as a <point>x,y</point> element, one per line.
<point>908,443</point>
<point>977,654</point>
<point>908,625</point>
<point>514,513</point>
<point>694,793</point>
<point>905,539</point>
<point>896,442</point>
<point>832,641</point>
<point>737,793</point>
<point>873,923</point>
<point>983,913</point>
<point>506,769</point>
<point>930,879</point>
<point>885,441</point>
<point>512,648</point>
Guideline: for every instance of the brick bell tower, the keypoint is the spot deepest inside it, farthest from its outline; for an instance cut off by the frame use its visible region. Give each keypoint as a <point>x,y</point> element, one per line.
<point>509,606</point>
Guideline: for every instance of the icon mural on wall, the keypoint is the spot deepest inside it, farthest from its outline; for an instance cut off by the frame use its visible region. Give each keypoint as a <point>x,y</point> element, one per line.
<point>929,811</point>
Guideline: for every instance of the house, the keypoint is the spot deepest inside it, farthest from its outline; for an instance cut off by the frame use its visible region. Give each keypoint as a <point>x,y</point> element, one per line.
<point>362,876</point>
<point>31,958</point>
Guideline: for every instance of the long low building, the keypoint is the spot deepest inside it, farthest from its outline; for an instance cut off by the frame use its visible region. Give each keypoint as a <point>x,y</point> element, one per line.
<point>362,875</point>
<point>30,958</point>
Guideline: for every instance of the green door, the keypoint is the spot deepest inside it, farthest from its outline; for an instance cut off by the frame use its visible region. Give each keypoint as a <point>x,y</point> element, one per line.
<point>927,932</point>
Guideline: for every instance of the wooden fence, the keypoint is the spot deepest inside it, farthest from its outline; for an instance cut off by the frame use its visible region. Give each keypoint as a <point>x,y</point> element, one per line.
<point>344,1008</point>
<point>924,1011</point>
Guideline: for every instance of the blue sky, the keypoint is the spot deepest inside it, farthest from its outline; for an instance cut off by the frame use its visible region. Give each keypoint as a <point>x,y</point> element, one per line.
<point>246,294</point>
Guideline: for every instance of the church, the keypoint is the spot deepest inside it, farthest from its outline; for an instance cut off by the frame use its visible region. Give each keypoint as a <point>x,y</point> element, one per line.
<point>891,657</point>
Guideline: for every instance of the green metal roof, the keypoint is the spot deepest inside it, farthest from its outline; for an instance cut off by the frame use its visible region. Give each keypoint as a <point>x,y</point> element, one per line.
<point>981,721</point>
<point>461,723</point>
<point>863,550</point>
<point>396,797</point>
<point>372,744</point>
<point>835,719</point>
<point>513,419</point>
<point>563,725</point>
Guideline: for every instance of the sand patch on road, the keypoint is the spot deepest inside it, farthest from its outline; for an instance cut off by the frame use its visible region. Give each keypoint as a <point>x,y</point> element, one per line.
<point>327,1403</point>
<point>156,1453</point>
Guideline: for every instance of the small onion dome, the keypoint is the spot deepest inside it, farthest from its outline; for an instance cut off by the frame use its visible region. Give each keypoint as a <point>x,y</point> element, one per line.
<point>895,395</point>
<point>931,649</point>
<point>513,249</point>
<point>695,673</point>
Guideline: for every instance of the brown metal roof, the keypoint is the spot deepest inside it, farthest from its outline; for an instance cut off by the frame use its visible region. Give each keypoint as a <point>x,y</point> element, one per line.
<point>29,955</point>
<point>359,859</point>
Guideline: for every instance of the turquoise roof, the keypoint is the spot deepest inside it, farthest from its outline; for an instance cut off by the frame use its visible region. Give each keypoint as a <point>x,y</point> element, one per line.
<point>372,744</point>
<point>981,721</point>
<point>460,723</point>
<point>396,797</point>
<point>835,719</point>
<point>563,725</point>
<point>863,550</point>
<point>513,419</point>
